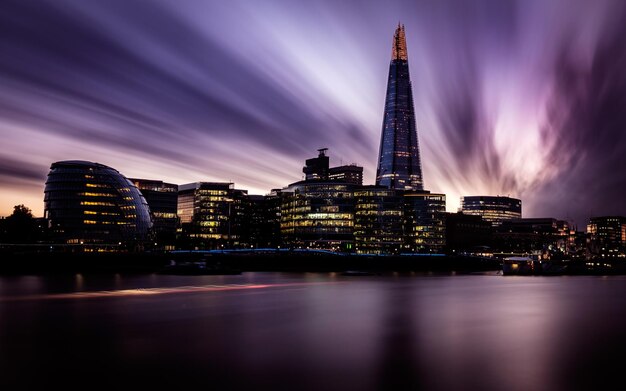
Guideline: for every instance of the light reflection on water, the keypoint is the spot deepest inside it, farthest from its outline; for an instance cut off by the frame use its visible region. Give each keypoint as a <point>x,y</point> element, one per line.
<point>314,331</point>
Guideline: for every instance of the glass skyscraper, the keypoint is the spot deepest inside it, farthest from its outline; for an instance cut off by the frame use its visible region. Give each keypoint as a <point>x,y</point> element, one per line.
<point>399,165</point>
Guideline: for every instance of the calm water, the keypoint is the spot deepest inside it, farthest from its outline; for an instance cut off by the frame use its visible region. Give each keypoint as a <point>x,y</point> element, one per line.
<point>313,331</point>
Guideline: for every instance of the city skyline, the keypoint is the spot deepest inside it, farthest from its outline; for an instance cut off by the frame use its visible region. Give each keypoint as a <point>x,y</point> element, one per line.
<point>519,99</point>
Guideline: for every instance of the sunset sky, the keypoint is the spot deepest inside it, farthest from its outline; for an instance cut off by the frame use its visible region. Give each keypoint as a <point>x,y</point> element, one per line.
<point>520,98</point>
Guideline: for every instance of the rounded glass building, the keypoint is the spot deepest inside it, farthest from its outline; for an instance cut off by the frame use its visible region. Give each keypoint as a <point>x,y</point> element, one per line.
<point>90,203</point>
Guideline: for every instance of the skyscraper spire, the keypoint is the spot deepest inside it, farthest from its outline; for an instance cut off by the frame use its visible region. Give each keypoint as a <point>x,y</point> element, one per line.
<point>398,51</point>
<point>399,165</point>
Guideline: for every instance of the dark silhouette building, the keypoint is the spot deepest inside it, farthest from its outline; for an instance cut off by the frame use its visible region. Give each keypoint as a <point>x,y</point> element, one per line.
<point>542,236</point>
<point>264,228</point>
<point>399,165</point>
<point>348,174</point>
<point>94,205</point>
<point>467,233</point>
<point>317,168</point>
<point>162,199</point>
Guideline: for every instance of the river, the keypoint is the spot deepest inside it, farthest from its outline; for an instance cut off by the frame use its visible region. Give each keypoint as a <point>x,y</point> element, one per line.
<point>312,331</point>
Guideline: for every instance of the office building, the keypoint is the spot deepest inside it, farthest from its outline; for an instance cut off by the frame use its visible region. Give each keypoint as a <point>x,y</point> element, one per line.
<point>424,222</point>
<point>162,200</point>
<point>606,236</point>
<point>378,220</point>
<point>95,206</point>
<point>494,209</point>
<point>212,215</point>
<point>399,165</point>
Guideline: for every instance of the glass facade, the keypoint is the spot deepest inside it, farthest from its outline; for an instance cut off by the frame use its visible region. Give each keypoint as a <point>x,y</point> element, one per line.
<point>162,199</point>
<point>399,165</point>
<point>318,215</point>
<point>264,220</point>
<point>378,219</point>
<point>494,209</point>
<point>213,215</point>
<point>606,236</point>
<point>90,203</point>
<point>424,222</point>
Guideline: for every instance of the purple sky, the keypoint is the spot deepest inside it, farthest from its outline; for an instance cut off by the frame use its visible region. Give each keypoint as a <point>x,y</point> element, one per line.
<point>526,98</point>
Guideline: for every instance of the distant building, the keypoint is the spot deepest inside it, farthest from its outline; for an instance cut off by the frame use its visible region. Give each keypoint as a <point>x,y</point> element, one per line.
<point>212,215</point>
<point>607,236</point>
<point>378,220</point>
<point>494,209</point>
<point>264,230</point>
<point>162,199</point>
<point>317,168</point>
<point>399,165</point>
<point>546,236</point>
<point>346,174</point>
<point>94,205</point>
<point>424,222</point>
<point>467,233</point>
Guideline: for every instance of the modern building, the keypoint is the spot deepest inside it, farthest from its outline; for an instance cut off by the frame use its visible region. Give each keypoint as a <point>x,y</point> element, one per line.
<point>494,209</point>
<point>93,205</point>
<point>317,168</point>
<point>399,165</point>
<point>264,230</point>
<point>212,215</point>
<point>424,222</point>
<point>467,233</point>
<point>318,212</point>
<point>318,215</point>
<point>544,236</point>
<point>606,236</point>
<point>162,199</point>
<point>347,174</point>
<point>378,220</point>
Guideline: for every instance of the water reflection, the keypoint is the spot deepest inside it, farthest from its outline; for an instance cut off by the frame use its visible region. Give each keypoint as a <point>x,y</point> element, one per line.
<point>313,331</point>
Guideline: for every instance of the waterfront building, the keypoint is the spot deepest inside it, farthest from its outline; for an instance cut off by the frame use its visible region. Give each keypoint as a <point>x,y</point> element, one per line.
<point>212,215</point>
<point>467,233</point>
<point>424,222</point>
<point>494,209</point>
<point>264,231</point>
<point>318,212</point>
<point>93,205</point>
<point>378,220</point>
<point>545,236</point>
<point>606,236</point>
<point>399,165</point>
<point>318,215</point>
<point>162,199</point>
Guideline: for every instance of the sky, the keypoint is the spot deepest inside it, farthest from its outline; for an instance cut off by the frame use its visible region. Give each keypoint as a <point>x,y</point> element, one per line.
<point>520,98</point>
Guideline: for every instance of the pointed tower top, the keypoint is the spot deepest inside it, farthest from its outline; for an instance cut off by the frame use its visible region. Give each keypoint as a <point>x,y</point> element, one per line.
<point>398,51</point>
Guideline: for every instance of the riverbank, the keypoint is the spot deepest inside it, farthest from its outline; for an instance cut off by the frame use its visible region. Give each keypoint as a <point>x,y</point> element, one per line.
<point>47,263</point>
